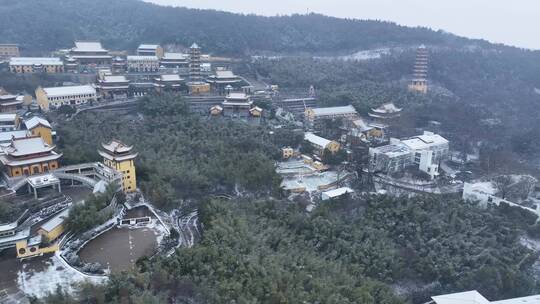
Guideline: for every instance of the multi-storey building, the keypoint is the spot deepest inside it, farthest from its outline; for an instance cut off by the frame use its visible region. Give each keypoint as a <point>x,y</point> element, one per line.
<point>150,50</point>
<point>223,78</point>
<point>120,157</point>
<point>90,53</point>
<point>8,51</point>
<point>385,112</point>
<point>314,114</point>
<point>69,95</point>
<point>111,87</point>
<point>11,103</point>
<point>424,151</point>
<point>168,83</point>
<point>142,64</point>
<point>29,156</point>
<point>320,144</point>
<point>9,122</point>
<point>175,61</point>
<point>419,82</point>
<point>28,65</point>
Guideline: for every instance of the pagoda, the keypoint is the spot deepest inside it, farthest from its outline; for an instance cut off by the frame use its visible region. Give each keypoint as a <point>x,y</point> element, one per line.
<point>419,82</point>
<point>196,84</point>
<point>120,157</point>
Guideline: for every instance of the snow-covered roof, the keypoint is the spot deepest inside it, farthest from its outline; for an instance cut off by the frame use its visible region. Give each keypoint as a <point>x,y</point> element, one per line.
<point>316,140</point>
<point>468,297</point>
<point>152,47</point>
<point>42,180</point>
<point>56,221</point>
<point>361,125</point>
<point>170,77</point>
<point>425,141</point>
<point>387,108</point>
<point>35,121</point>
<point>88,46</point>
<point>174,56</point>
<point>194,46</point>
<point>6,137</point>
<point>225,74</point>
<point>237,96</point>
<point>524,300</point>
<point>116,78</point>
<point>26,146</point>
<point>338,192</point>
<point>35,60</point>
<point>392,150</point>
<point>142,58</point>
<point>69,91</point>
<point>345,110</point>
<point>8,227</point>
<point>8,117</point>
<point>116,146</point>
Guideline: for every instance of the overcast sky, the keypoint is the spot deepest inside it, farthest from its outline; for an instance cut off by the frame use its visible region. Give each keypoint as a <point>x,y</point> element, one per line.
<point>513,22</point>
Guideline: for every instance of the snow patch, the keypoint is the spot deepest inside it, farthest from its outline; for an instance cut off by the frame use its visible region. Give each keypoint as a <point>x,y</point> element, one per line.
<point>57,273</point>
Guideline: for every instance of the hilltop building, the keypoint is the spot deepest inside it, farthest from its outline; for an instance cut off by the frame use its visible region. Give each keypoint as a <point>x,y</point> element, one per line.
<point>120,157</point>
<point>40,127</point>
<point>69,95</point>
<point>30,65</point>
<point>320,144</point>
<point>175,61</point>
<point>150,50</point>
<point>314,114</point>
<point>424,151</point>
<point>11,103</point>
<point>8,51</point>
<point>419,82</point>
<point>90,53</point>
<point>474,297</point>
<point>168,83</point>
<point>9,122</point>
<point>385,112</point>
<point>237,105</point>
<point>196,84</point>
<point>113,87</point>
<point>29,156</point>
<point>119,65</point>
<point>223,78</point>
<point>142,64</point>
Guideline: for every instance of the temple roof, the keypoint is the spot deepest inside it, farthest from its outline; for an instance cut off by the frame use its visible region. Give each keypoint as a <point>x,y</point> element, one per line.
<point>35,121</point>
<point>27,146</point>
<point>116,146</point>
<point>35,60</point>
<point>148,47</point>
<point>317,140</point>
<point>69,90</point>
<point>194,46</point>
<point>387,108</point>
<point>88,46</point>
<point>346,110</point>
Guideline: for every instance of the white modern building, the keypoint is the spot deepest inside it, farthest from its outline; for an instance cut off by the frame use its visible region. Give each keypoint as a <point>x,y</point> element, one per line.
<point>142,64</point>
<point>69,95</point>
<point>336,193</point>
<point>474,297</point>
<point>425,151</point>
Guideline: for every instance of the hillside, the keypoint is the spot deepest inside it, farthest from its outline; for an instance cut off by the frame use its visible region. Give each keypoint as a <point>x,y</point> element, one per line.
<point>123,24</point>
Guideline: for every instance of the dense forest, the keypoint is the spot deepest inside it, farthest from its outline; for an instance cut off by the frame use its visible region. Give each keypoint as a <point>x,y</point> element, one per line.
<point>181,155</point>
<point>124,24</point>
<point>348,251</point>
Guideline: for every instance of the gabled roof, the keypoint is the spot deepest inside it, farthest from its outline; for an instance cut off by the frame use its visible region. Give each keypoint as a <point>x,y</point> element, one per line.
<point>27,146</point>
<point>345,110</point>
<point>88,46</point>
<point>35,121</point>
<point>316,140</point>
<point>56,221</point>
<point>8,117</point>
<point>137,58</point>
<point>69,90</point>
<point>148,47</point>
<point>387,108</point>
<point>174,56</point>
<point>35,60</point>
<point>116,146</point>
<point>468,297</point>
<point>194,46</point>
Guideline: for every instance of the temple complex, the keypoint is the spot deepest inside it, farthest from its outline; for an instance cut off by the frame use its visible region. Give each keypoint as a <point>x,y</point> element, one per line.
<point>223,78</point>
<point>237,105</point>
<point>29,156</point>
<point>120,157</point>
<point>168,83</point>
<point>419,82</point>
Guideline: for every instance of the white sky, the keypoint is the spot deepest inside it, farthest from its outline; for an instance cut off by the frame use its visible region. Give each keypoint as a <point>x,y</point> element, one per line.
<point>513,22</point>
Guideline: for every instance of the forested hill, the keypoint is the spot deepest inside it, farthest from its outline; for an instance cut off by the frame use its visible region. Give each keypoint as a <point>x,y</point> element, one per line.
<point>45,25</point>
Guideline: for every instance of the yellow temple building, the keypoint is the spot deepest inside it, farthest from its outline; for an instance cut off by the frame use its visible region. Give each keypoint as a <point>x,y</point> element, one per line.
<point>120,157</point>
<point>41,128</point>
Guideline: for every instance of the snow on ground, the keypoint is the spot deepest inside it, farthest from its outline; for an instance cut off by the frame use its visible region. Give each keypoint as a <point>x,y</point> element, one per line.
<point>57,273</point>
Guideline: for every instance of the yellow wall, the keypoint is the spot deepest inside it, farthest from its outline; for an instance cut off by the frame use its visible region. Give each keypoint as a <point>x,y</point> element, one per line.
<point>43,132</point>
<point>53,234</point>
<point>199,88</point>
<point>333,147</point>
<point>127,168</point>
<point>32,169</point>
<point>23,251</point>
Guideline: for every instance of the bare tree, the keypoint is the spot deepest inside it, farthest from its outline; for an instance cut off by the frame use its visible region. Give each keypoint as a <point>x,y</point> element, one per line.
<point>503,184</point>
